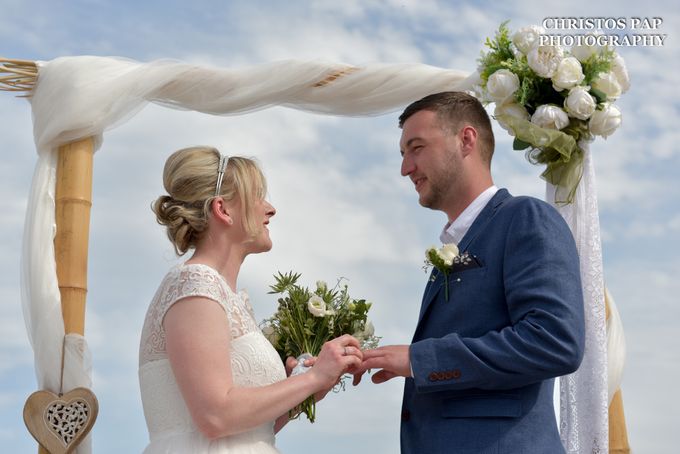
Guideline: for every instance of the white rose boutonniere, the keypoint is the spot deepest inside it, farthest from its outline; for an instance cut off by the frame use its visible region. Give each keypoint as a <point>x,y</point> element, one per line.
<point>443,260</point>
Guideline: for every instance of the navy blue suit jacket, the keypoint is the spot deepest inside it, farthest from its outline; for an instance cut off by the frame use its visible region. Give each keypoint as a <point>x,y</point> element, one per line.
<point>484,360</point>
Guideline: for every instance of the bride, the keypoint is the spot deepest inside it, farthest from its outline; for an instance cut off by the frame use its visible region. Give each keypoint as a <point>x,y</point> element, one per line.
<point>210,381</point>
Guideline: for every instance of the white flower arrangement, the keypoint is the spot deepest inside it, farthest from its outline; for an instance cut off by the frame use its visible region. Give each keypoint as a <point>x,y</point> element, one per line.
<point>306,319</point>
<point>550,99</point>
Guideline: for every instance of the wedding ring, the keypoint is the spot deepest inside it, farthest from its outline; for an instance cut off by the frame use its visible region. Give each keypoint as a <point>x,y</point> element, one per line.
<point>345,352</point>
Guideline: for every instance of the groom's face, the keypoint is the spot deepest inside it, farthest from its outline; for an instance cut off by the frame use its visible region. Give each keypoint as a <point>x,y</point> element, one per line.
<point>431,159</point>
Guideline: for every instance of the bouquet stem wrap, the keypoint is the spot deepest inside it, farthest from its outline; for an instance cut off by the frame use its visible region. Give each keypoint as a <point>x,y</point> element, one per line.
<point>309,405</point>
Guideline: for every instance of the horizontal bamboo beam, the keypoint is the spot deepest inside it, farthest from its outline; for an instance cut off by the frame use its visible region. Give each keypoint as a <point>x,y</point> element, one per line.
<point>18,75</point>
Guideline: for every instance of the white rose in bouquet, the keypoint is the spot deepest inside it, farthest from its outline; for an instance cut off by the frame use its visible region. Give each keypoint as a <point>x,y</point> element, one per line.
<point>511,110</point>
<point>316,306</point>
<point>544,60</point>
<point>584,52</point>
<point>580,104</point>
<point>621,73</point>
<point>608,84</point>
<point>501,85</point>
<point>604,122</point>
<point>550,117</point>
<point>569,73</point>
<point>526,38</point>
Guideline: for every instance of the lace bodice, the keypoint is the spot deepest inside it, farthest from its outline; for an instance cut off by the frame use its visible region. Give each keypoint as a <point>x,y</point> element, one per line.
<point>193,280</point>
<point>254,362</point>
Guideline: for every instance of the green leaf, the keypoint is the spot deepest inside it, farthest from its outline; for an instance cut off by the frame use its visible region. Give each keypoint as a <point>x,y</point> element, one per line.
<point>599,95</point>
<point>518,144</point>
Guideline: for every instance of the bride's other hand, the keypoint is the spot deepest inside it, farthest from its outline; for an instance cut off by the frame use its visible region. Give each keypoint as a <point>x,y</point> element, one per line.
<point>337,357</point>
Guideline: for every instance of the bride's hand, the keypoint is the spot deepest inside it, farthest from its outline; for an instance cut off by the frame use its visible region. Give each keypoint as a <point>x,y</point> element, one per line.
<point>309,362</point>
<point>292,362</point>
<point>337,357</point>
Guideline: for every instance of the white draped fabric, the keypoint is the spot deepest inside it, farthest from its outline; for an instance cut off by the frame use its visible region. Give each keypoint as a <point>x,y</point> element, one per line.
<point>584,404</point>
<point>78,97</point>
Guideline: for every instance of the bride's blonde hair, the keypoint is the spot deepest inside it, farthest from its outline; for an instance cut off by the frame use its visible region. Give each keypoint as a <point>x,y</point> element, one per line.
<point>190,179</point>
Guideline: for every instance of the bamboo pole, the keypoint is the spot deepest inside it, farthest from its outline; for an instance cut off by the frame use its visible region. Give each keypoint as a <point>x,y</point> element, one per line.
<point>73,200</point>
<point>618,434</point>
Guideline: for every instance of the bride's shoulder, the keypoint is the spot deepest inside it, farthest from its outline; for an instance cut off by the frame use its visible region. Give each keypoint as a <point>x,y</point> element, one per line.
<point>191,280</point>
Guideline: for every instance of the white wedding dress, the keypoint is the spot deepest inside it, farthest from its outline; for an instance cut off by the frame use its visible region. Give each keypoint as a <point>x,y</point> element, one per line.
<point>254,362</point>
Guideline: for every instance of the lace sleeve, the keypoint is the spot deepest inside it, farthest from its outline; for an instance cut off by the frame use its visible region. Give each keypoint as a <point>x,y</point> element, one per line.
<point>179,283</point>
<point>192,282</point>
<point>186,281</point>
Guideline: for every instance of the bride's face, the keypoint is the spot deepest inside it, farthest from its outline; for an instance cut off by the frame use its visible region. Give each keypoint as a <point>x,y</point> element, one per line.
<point>262,213</point>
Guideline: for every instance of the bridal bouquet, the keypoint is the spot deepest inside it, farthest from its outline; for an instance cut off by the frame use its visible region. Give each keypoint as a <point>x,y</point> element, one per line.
<point>551,99</point>
<point>306,319</point>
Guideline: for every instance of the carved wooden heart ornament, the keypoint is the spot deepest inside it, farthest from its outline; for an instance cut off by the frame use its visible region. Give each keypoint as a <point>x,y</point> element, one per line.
<point>59,423</point>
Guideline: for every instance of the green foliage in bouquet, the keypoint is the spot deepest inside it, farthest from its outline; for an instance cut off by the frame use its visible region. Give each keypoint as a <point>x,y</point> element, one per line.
<point>306,319</point>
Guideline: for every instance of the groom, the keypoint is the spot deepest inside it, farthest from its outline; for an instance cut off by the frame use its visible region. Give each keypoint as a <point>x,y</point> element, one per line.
<point>480,368</point>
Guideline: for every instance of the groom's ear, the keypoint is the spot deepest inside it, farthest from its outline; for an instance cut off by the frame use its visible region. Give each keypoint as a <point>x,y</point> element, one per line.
<point>468,139</point>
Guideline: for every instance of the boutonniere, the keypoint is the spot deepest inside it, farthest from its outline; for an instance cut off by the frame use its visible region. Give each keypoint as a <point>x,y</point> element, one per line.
<point>444,259</point>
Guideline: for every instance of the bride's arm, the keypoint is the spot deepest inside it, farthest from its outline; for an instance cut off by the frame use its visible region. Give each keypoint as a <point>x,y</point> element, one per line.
<point>197,341</point>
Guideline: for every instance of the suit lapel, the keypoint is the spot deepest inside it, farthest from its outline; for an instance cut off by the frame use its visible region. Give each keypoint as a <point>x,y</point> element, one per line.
<point>483,218</point>
<point>434,283</point>
<point>434,286</point>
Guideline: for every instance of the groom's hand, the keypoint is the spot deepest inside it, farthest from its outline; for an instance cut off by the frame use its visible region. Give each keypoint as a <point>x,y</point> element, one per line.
<point>393,360</point>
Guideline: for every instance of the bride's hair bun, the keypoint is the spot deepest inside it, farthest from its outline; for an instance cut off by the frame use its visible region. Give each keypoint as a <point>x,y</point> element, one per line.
<point>184,223</point>
<point>190,179</point>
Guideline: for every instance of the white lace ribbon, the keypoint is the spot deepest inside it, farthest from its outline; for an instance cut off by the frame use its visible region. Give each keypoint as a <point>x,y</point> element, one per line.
<point>300,367</point>
<point>584,425</point>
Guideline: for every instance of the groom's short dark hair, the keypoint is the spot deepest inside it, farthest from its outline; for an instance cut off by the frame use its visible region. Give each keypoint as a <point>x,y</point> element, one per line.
<point>453,108</point>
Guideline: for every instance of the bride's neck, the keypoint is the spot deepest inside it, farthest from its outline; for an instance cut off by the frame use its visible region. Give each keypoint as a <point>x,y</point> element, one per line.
<point>227,261</point>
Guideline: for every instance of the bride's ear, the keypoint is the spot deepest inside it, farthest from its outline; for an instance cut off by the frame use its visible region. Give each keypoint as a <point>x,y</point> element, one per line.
<point>221,211</point>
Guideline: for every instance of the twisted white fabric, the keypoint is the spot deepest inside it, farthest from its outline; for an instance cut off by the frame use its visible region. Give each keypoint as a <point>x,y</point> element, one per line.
<point>78,97</point>
<point>616,348</point>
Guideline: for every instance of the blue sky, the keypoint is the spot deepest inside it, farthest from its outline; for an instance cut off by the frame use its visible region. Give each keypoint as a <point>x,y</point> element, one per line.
<point>343,209</point>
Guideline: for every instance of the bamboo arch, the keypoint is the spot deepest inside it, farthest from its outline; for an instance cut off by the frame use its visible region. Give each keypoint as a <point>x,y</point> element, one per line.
<point>73,202</point>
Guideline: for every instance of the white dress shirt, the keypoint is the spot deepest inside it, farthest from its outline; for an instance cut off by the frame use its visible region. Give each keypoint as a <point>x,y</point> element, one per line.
<point>454,231</point>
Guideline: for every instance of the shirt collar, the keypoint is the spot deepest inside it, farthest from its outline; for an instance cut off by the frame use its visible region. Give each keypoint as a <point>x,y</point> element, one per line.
<point>454,231</point>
